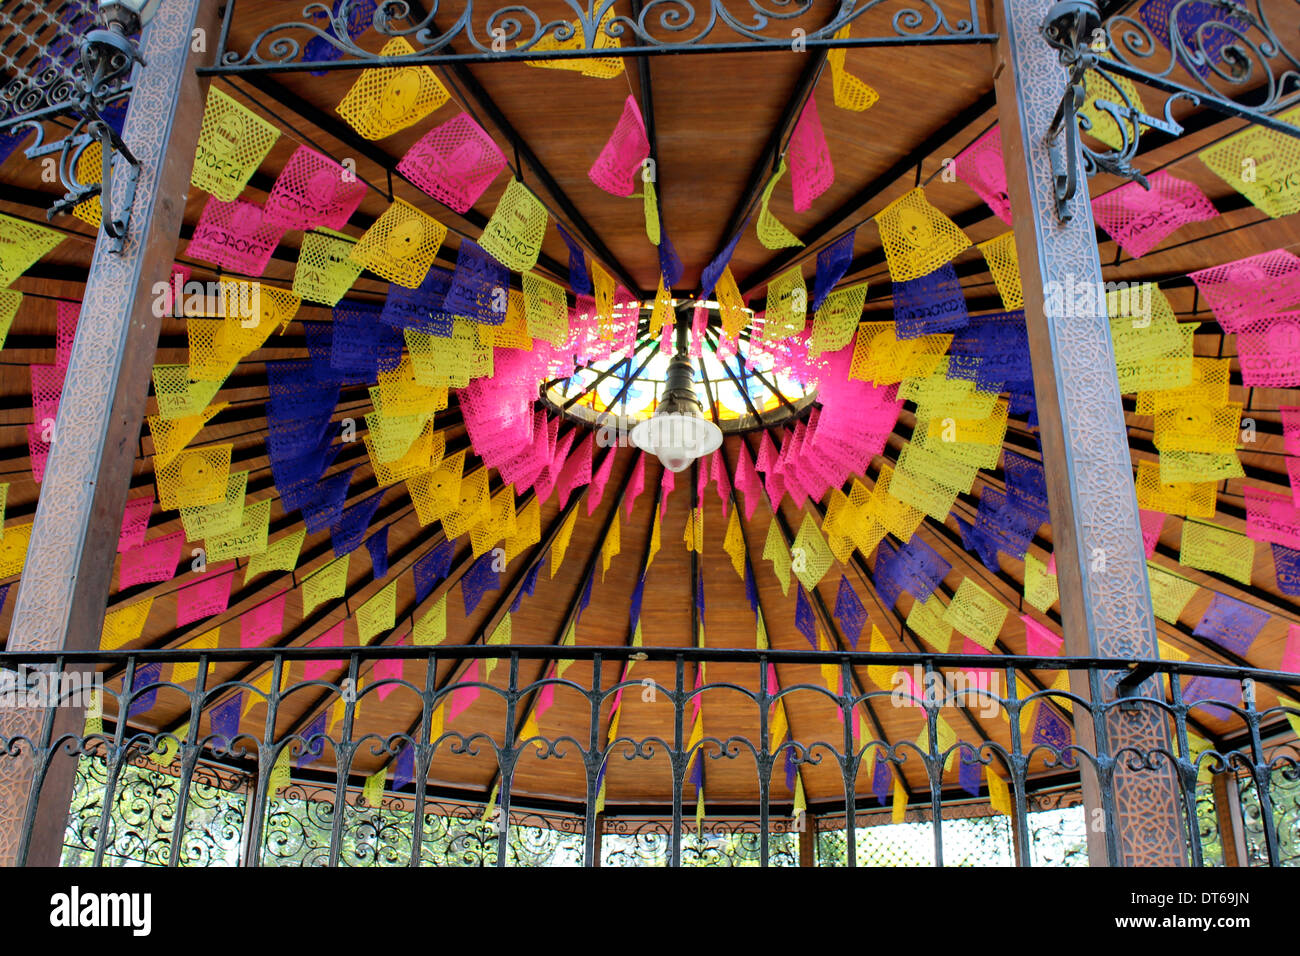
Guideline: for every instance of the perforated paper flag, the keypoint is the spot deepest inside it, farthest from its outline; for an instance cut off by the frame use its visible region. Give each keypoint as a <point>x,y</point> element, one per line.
<point>150,563</point>
<point>606,67</point>
<point>454,162</point>
<point>178,397</point>
<point>850,92</point>
<point>1273,518</point>
<point>1040,586</point>
<point>123,625</point>
<point>9,303</point>
<point>1193,499</point>
<point>929,305</point>
<point>771,232</point>
<point>313,190</point>
<point>1269,351</point>
<point>327,584</point>
<point>810,557</point>
<point>787,306</point>
<point>546,310</point>
<point>1247,289</point>
<point>208,596</point>
<point>1000,253</point>
<point>976,613</point>
<point>264,622</point>
<point>170,436</point>
<point>90,172</point>
<point>837,320</point>
<point>400,245</point>
<point>811,169</point>
<point>980,167</point>
<point>378,614</point>
<point>626,150</point>
<point>1231,623</point>
<point>515,232</point>
<point>21,245</point>
<point>918,238</point>
<point>1262,165</point>
<point>246,540</point>
<point>223,517</point>
<point>1170,592</point>
<point>388,99</point>
<point>197,476</point>
<point>135,523</point>
<point>326,269</point>
<point>235,235</point>
<point>776,551</point>
<point>233,141</point>
<point>1139,219</point>
<point>478,286</point>
<point>1212,548</point>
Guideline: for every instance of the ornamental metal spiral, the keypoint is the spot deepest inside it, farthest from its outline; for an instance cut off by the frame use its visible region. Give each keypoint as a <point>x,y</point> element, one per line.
<point>326,37</point>
<point>1232,61</point>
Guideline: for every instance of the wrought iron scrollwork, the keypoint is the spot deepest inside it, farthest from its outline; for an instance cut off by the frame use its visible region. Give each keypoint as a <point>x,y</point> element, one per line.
<point>327,36</point>
<point>1216,53</point>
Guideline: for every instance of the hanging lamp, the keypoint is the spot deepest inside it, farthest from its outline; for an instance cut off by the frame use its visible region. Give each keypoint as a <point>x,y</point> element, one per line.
<point>678,433</point>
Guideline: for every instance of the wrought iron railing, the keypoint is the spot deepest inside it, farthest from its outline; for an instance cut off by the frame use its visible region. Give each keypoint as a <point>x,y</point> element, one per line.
<point>186,794</point>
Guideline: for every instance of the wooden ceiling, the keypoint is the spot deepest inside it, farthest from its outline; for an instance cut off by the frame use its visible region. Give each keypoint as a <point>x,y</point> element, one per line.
<point>714,118</point>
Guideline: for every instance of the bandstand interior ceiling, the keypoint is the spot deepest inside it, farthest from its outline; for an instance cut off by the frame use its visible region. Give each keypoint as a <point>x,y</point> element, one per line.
<point>712,122</point>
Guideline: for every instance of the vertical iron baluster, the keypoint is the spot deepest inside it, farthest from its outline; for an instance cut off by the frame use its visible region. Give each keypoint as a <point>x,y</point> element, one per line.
<point>678,763</point>
<point>850,770</point>
<point>1260,771</point>
<point>933,763</point>
<point>506,762</point>
<point>42,757</point>
<point>1105,764</point>
<point>764,763</point>
<point>593,767</point>
<point>423,757</point>
<point>342,763</point>
<point>223,36</point>
<point>189,760</point>
<point>114,762</point>
<point>1187,771</point>
<point>1020,805</point>
<point>265,762</point>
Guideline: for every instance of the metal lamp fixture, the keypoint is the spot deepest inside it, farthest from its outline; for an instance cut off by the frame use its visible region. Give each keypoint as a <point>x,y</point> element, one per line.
<point>678,433</point>
<point>129,15</point>
<point>108,54</point>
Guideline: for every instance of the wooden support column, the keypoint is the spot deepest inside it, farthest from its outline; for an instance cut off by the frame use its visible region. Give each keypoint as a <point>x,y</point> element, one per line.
<point>1105,600</point>
<point>66,581</point>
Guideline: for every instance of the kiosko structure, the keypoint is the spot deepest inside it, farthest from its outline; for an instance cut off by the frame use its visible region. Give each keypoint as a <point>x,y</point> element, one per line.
<point>835,434</point>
